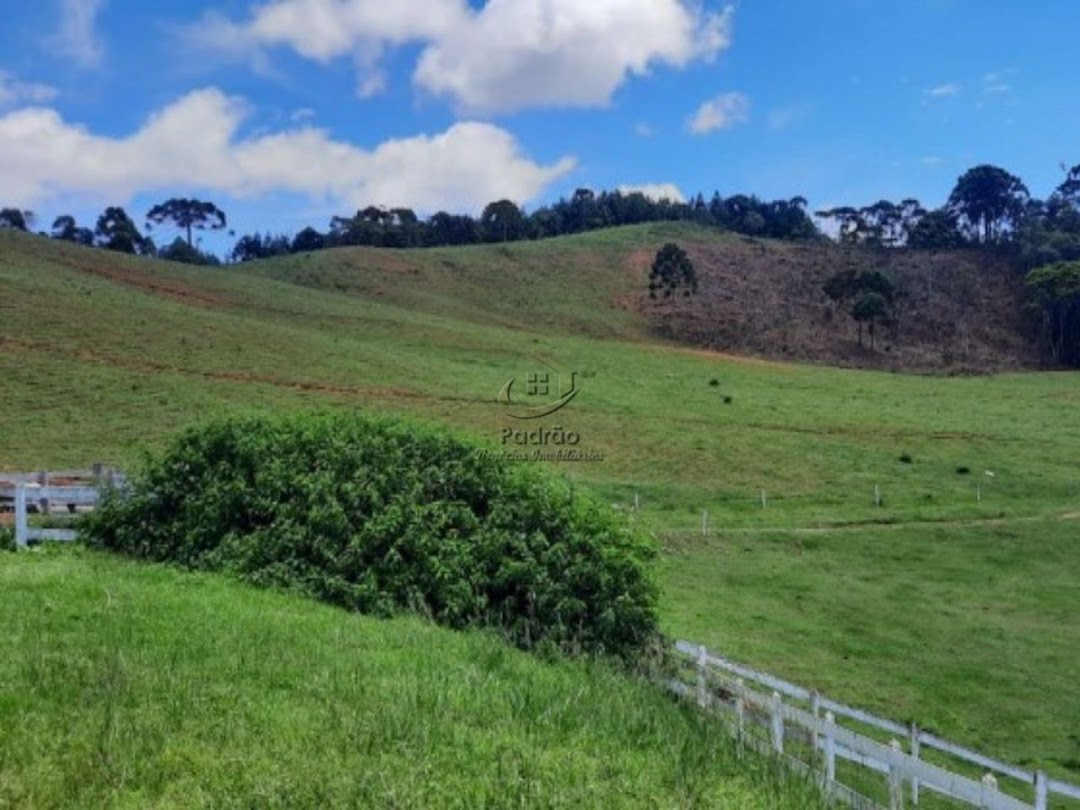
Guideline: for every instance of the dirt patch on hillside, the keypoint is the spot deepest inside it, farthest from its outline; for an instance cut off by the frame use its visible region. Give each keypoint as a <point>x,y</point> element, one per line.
<point>161,286</point>
<point>959,312</point>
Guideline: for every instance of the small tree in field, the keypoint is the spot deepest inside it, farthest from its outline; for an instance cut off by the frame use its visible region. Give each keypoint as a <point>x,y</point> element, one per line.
<point>671,271</point>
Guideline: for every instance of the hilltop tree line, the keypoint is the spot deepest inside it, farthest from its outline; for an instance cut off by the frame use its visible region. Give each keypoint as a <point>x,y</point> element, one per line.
<point>373,226</point>
<point>505,221</point>
<point>116,230</point>
<point>989,209</point>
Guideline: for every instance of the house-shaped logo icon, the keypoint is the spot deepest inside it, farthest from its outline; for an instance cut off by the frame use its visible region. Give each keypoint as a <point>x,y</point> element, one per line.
<point>546,390</point>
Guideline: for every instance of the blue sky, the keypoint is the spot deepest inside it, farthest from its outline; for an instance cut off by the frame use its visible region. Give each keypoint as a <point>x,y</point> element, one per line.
<point>285,112</point>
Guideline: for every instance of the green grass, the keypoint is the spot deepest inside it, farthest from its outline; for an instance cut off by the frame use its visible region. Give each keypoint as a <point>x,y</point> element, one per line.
<point>102,355</point>
<point>129,685</point>
<point>972,632</point>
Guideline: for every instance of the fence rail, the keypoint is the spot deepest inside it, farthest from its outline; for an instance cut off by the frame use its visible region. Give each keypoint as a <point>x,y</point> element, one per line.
<point>45,491</point>
<point>721,685</point>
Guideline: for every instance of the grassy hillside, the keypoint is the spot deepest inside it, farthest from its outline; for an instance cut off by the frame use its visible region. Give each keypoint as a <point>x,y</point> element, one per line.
<point>127,685</point>
<point>116,351</point>
<point>102,354</point>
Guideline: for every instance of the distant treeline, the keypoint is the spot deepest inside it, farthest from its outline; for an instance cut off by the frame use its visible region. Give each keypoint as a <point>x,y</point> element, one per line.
<point>989,209</point>
<point>504,221</point>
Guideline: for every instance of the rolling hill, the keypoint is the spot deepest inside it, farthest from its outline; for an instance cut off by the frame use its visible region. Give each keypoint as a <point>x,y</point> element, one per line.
<point>102,355</point>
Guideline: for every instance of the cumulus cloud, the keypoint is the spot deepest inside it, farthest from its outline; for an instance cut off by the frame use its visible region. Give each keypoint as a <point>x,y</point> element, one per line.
<point>655,191</point>
<point>13,91</point>
<point>323,30</point>
<point>193,144</point>
<point>514,54</point>
<point>507,55</point>
<point>76,37</point>
<point>726,110</point>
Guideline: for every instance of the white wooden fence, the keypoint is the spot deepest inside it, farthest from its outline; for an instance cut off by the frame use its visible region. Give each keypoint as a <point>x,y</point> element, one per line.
<point>787,711</point>
<point>79,488</point>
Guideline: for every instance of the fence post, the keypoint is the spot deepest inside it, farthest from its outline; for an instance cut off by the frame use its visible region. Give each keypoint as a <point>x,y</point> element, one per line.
<point>702,684</point>
<point>43,503</point>
<point>763,499</point>
<point>20,515</point>
<point>740,706</point>
<point>830,749</point>
<point>877,495</point>
<point>1041,790</point>
<point>989,788</point>
<point>896,780</point>
<point>777,723</point>
<point>815,708</point>
<point>913,736</point>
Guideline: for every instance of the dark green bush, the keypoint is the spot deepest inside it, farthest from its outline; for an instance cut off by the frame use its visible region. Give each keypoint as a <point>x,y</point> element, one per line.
<point>382,517</point>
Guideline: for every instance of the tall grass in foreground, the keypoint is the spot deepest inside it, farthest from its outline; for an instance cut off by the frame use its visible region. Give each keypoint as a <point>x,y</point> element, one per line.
<point>134,685</point>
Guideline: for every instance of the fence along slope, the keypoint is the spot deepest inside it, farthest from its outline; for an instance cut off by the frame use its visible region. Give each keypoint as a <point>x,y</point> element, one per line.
<point>832,741</point>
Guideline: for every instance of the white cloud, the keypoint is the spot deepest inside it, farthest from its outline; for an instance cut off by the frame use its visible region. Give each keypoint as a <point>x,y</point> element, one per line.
<point>76,36</point>
<point>932,160</point>
<point>323,30</point>
<point>193,144</point>
<point>726,110</point>
<point>515,54</point>
<point>302,114</point>
<point>372,84</point>
<point>13,91</point>
<point>944,90</point>
<point>656,191</point>
<point>505,56</point>
<point>644,130</point>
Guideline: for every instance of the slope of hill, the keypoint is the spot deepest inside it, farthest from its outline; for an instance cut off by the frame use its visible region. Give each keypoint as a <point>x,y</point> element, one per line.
<point>958,311</point>
<point>102,355</point>
<point>136,685</point>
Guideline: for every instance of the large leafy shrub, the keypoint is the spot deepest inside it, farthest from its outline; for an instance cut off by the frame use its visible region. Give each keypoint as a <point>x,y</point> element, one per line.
<point>384,516</point>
